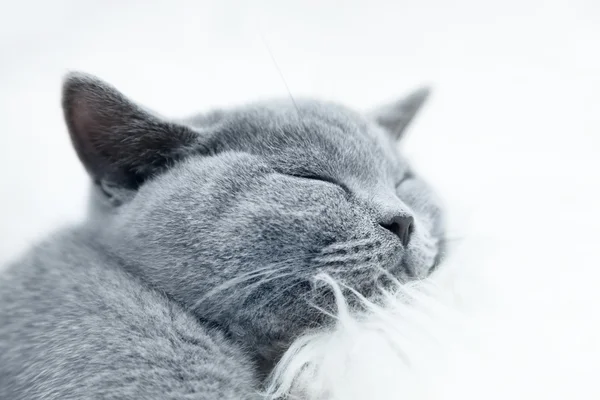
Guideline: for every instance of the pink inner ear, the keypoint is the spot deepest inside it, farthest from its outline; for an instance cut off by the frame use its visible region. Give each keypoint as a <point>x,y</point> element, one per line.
<point>115,139</point>
<point>82,117</point>
<point>85,130</point>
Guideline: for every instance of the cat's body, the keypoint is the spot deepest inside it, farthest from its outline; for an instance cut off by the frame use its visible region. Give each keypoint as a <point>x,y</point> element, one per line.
<point>197,261</point>
<point>75,325</point>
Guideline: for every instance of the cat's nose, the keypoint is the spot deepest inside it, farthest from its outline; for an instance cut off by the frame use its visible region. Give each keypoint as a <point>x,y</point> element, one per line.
<point>401,226</point>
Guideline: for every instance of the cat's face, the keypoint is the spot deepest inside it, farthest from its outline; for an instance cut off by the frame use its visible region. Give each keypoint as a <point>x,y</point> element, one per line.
<point>233,213</point>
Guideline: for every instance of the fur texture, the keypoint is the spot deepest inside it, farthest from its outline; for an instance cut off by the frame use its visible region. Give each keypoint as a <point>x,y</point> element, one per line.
<point>76,326</point>
<point>196,269</point>
<point>397,347</point>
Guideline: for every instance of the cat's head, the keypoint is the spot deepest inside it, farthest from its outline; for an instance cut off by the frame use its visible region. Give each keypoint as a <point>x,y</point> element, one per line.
<point>232,213</point>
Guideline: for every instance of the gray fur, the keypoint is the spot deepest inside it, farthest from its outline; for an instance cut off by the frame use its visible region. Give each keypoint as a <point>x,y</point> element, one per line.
<point>74,325</point>
<point>195,267</point>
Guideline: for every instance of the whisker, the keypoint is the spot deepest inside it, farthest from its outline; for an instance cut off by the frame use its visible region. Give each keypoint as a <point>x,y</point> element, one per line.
<point>252,288</point>
<point>238,280</point>
<point>283,293</point>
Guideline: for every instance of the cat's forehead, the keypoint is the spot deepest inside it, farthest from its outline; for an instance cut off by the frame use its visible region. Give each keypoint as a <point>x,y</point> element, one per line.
<point>290,110</point>
<point>320,137</point>
<point>278,117</point>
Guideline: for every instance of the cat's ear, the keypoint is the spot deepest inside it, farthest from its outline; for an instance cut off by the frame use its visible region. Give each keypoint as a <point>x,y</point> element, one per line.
<point>395,117</point>
<point>119,143</point>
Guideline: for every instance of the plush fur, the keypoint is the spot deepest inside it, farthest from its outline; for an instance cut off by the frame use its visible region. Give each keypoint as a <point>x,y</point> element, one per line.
<point>397,347</point>
<point>76,326</point>
<point>196,269</point>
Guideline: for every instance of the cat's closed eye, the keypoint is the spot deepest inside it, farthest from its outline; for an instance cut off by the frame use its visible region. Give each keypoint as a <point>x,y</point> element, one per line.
<point>408,175</point>
<point>325,179</point>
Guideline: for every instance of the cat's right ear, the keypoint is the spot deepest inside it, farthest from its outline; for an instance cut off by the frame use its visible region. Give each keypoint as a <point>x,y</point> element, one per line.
<point>397,116</point>
<point>119,143</point>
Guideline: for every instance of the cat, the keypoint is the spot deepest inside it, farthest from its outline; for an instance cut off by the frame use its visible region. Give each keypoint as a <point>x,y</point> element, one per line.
<point>194,270</point>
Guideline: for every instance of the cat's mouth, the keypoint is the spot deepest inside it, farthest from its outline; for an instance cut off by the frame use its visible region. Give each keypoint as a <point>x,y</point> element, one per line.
<point>412,266</point>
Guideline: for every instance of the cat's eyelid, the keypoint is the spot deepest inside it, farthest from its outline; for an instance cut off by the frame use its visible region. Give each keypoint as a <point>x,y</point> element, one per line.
<point>408,174</point>
<point>322,179</point>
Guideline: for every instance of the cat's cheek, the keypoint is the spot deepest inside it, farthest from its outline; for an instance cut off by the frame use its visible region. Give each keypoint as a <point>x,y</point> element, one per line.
<point>426,206</point>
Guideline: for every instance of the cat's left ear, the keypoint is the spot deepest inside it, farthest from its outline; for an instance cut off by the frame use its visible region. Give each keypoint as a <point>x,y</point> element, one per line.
<point>120,143</point>
<point>395,117</point>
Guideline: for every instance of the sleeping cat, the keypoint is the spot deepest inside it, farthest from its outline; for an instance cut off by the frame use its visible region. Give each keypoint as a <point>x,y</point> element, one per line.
<point>193,272</point>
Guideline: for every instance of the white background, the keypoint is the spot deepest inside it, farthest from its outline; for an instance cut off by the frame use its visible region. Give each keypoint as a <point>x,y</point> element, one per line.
<point>510,137</point>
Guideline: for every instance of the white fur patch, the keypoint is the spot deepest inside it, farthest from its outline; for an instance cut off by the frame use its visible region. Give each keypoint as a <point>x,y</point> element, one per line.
<point>401,348</point>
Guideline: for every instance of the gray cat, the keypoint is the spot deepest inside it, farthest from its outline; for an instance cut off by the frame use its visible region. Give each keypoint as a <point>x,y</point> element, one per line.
<point>193,272</point>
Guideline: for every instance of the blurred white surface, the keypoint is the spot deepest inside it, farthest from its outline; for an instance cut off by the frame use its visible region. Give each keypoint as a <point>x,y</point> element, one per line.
<point>510,138</point>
